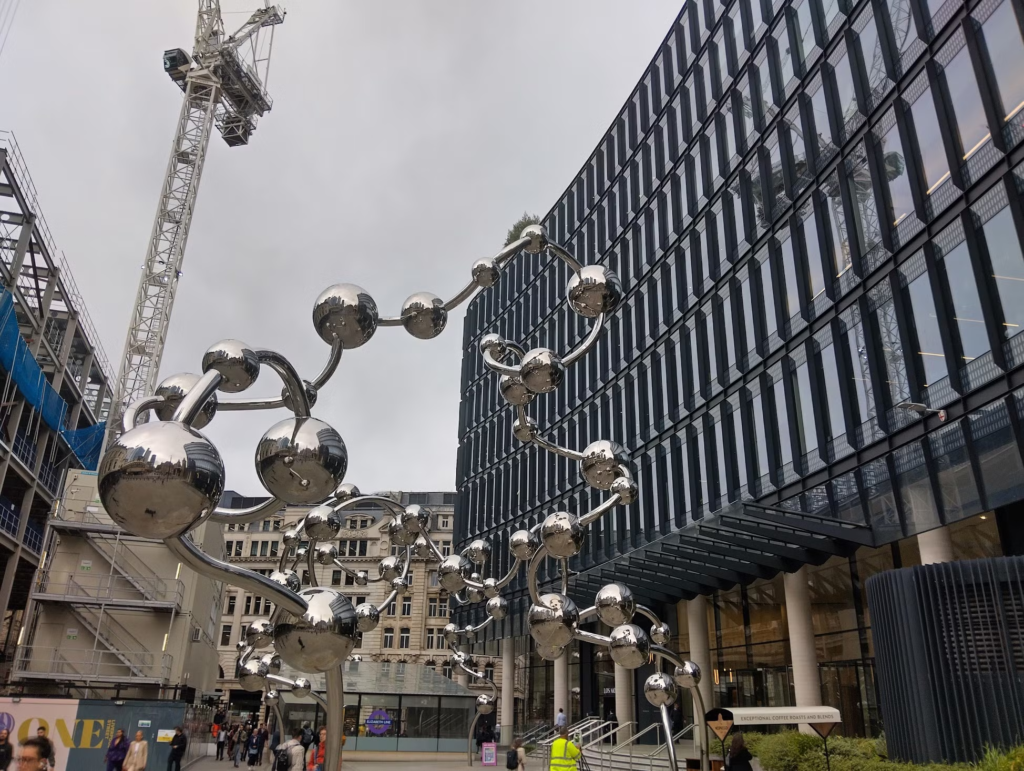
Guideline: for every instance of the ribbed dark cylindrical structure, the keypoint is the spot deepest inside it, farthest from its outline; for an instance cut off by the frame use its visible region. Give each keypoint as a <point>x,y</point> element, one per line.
<point>949,653</point>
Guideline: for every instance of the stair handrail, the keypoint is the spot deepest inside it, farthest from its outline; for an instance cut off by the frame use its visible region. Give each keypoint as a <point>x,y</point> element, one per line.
<point>573,729</point>
<point>612,729</point>
<point>112,633</point>
<point>661,747</point>
<point>632,739</point>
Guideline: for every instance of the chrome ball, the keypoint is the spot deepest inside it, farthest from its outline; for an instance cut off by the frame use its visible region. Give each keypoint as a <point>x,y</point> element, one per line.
<point>554,621</point>
<point>399,535</point>
<point>271,698</point>
<point>594,290</point>
<point>362,578</point>
<point>259,633</point>
<point>320,638</point>
<point>346,311</point>
<point>173,389</point>
<point>423,315</point>
<point>479,551</point>
<point>252,675</point>
<point>453,572</point>
<point>514,392</point>
<point>660,690</point>
<point>301,460</point>
<point>550,652</point>
<point>615,604</point>
<point>323,523</point>
<point>497,608</point>
<point>541,370</point>
<point>630,646</point>
<point>493,343</point>
<point>290,537</point>
<point>389,568</point>
<point>399,585</point>
<point>538,238</point>
<point>660,633</point>
<point>525,431</point>
<point>474,595</point>
<point>451,634</point>
<point>235,361</point>
<point>326,553</point>
<point>486,272</point>
<point>688,675</point>
<point>301,552</point>
<point>160,480</point>
<point>523,544</point>
<point>241,646</point>
<point>273,662</point>
<point>421,548</point>
<point>367,617</point>
<point>416,518</point>
<point>490,587</point>
<point>287,578</point>
<point>561,534</point>
<point>601,461</point>
<point>301,688</point>
<point>485,704</point>
<point>469,633</point>
<point>625,488</point>
<point>346,491</point>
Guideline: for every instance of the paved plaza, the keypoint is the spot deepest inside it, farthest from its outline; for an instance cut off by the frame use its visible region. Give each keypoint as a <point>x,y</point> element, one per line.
<point>446,762</point>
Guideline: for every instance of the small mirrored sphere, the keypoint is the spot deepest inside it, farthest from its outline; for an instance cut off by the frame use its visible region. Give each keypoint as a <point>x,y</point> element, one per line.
<point>451,633</point>
<point>491,587</point>
<point>615,604</point>
<point>625,488</point>
<point>525,428</point>
<point>469,634</point>
<point>486,272</point>
<point>688,675</point>
<point>538,238</point>
<point>485,704</point>
<point>367,617</point>
<point>399,585</point>
<point>554,621</point>
<point>497,608</point>
<point>550,652</point>
<point>326,553</point>
<point>173,389</point>
<point>630,646</point>
<point>593,291</point>
<point>514,392</point>
<point>390,567</point>
<point>259,633</point>
<point>495,345</point>
<point>660,633</point>
<point>416,518</point>
<point>346,491</point>
<point>241,646</point>
<point>301,460</point>
<point>271,698</point>
<point>301,688</point>
<point>273,662</point>
<point>252,675</point>
<point>479,551</point>
<point>453,572</point>
<point>541,370</point>
<point>160,480</point>
<point>561,534</point>
<point>399,535</point>
<point>423,315</point>
<point>322,523</point>
<point>287,578</point>
<point>474,595</point>
<point>320,638</point>
<point>421,548</point>
<point>362,578</point>
<point>524,544</point>
<point>290,537</point>
<point>301,552</point>
<point>346,311</point>
<point>235,361</point>
<point>660,690</point>
<point>601,461</point>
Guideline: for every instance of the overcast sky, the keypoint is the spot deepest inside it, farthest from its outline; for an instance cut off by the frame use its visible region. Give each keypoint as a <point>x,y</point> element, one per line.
<point>406,137</point>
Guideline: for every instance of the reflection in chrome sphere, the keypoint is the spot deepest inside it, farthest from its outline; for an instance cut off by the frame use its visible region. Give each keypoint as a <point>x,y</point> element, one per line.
<point>301,460</point>
<point>490,587</point>
<point>259,633</point>
<point>593,291</point>
<point>615,604</point>
<point>550,652</point>
<point>322,523</point>
<point>561,534</point>
<point>235,361</point>
<point>538,238</point>
<point>485,704</point>
<point>326,553</point>
<point>271,698</point>
<point>688,675</point>
<point>252,675</point>
<point>301,688</point>
<point>362,578</point>
<point>630,646</point>
<point>493,343</point>
<point>601,461</point>
<point>625,488</point>
<point>554,621</point>
<point>523,544</point>
<point>541,370</point>
<point>453,572</point>
<point>273,662</point>
<point>290,537</point>
<point>474,595</point>
<point>399,535</point>
<point>346,491</point>
<point>660,690</point>
<point>287,578</point>
<point>345,310</point>
<point>323,636</point>
<point>399,585</point>
<point>173,390</point>
<point>660,633</point>
<point>525,428</point>
<point>423,315</point>
<point>486,272</point>
<point>389,567</point>
<point>514,392</point>
<point>367,617</point>
<point>416,518</point>
<point>240,646</point>
<point>421,548</point>
<point>479,551</point>
<point>451,633</point>
<point>160,480</point>
<point>497,608</point>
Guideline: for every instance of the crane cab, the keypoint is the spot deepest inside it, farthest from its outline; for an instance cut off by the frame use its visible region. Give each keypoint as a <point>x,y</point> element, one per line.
<point>177,63</point>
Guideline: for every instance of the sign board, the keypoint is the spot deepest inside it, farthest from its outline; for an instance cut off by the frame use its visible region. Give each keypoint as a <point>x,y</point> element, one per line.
<point>71,633</point>
<point>145,723</point>
<point>164,735</point>
<point>720,721</point>
<point>85,566</point>
<point>378,722</point>
<point>489,752</point>
<point>823,729</point>
<point>784,715</point>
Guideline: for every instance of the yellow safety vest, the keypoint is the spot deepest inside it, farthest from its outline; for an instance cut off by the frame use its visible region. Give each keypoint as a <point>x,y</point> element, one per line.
<point>563,755</point>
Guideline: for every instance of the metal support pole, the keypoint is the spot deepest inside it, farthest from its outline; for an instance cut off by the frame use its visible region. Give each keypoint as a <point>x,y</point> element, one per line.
<point>666,721</point>
<point>335,717</point>
<point>472,733</point>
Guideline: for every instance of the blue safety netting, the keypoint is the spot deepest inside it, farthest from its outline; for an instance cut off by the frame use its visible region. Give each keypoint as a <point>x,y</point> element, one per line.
<point>27,375</point>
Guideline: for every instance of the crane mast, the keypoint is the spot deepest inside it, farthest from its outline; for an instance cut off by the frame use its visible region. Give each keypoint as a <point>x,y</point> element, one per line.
<point>224,81</point>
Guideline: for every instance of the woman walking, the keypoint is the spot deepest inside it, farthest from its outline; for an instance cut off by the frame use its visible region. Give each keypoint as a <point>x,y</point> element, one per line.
<point>116,751</point>
<point>7,750</point>
<point>739,756</point>
<point>138,754</point>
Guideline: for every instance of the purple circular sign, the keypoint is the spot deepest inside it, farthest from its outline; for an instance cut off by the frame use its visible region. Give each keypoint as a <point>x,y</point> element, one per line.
<point>378,722</point>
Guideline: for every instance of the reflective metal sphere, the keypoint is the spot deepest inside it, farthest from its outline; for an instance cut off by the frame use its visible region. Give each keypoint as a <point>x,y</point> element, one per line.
<point>362,578</point>
<point>688,675</point>
<point>497,608</point>
<point>235,361</point>
<point>367,617</point>
<point>173,389</point>
<point>416,518</point>
<point>301,552</point>
<point>423,315</point>
<point>601,461</point>
<point>453,572</point>
<point>271,698</point>
<point>390,567</point>
<point>561,534</point>
<point>660,633</point>
<point>554,621</point>
<point>301,460</point>
<point>323,636</point>
<point>252,675</point>
<point>525,431</point>
<point>451,633</point>
<point>326,553</point>
<point>630,646</point>
<point>273,662</point>
<point>399,585</point>
<point>594,290</point>
<point>469,633</point>
<point>479,551</point>
<point>421,548</point>
<point>541,370</point>
<point>259,633</point>
<point>290,537</point>
<point>550,652</point>
<point>485,704</point>
<point>490,587</point>
<point>345,310</point>
<point>615,604</point>
<point>241,646</point>
<point>486,272</point>
<point>160,480</point>
<point>493,343</point>
<point>323,523</point>
<point>538,238</point>
<point>301,688</point>
<point>287,578</point>
<point>660,690</point>
<point>474,595</point>
<point>399,535</point>
<point>523,544</point>
<point>625,488</point>
<point>346,491</point>
<point>514,392</point>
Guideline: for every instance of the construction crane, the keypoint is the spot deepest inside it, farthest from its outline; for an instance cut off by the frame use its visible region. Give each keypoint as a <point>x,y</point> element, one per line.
<point>225,84</point>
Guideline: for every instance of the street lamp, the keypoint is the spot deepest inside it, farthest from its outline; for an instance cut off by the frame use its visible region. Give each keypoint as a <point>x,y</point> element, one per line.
<point>922,409</point>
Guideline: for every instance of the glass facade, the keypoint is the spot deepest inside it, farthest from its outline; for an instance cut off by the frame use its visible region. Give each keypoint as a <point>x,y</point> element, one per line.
<point>813,228</point>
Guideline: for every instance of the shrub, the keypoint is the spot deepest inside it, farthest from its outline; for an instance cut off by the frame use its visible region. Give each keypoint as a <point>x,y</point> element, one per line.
<point>783,751</point>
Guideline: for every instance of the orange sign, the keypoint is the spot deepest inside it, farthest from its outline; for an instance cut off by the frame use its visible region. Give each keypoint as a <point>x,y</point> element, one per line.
<point>720,721</point>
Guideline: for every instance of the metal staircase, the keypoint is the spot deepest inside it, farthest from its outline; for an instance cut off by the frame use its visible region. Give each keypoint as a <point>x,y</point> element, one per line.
<point>127,565</point>
<point>118,640</point>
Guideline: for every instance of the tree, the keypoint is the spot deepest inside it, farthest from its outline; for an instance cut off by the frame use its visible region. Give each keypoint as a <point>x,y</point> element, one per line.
<point>522,222</point>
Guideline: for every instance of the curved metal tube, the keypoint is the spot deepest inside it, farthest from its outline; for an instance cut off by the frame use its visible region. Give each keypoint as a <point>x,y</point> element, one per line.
<point>389,321</point>
<point>705,756</point>
<point>565,576</point>
<point>511,250</point>
<point>331,366</point>
<point>592,638</point>
<point>496,366</point>
<point>201,562</point>
<point>244,516</point>
<point>464,294</point>
<point>131,415</point>
<point>469,743</point>
<point>510,574</point>
<point>197,397</point>
<point>481,626</point>
<point>559,251</point>
<point>588,613</point>
<point>598,511</point>
<point>292,381</point>
<point>231,405</point>
<point>335,709</point>
<point>311,563</point>
<point>588,342</point>
<point>387,601</point>
<point>531,574</point>
<point>666,723</point>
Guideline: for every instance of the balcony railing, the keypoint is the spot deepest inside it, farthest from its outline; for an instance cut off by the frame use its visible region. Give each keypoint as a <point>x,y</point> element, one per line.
<point>33,540</point>
<point>25,449</point>
<point>9,518</point>
<point>33,661</point>
<point>109,588</point>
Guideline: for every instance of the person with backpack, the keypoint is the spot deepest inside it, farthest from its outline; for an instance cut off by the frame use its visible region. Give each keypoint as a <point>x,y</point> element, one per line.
<point>515,758</point>
<point>290,755</point>
<point>307,736</point>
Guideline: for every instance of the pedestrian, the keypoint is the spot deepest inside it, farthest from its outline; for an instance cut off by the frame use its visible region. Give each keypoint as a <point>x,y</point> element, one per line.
<point>317,752</point>
<point>7,750</point>
<point>497,731</point>
<point>560,719</point>
<point>252,749</point>
<point>33,755</point>
<point>292,749</point>
<point>178,745</point>
<point>739,756</point>
<point>515,758</point>
<point>307,736</point>
<point>51,751</point>
<point>564,752</point>
<point>222,737</point>
<point>240,740</point>
<point>261,741</point>
<point>116,751</point>
<point>138,754</point>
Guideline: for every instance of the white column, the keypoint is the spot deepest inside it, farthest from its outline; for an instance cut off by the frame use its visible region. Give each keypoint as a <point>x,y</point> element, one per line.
<point>700,652</point>
<point>562,686</point>
<point>508,695</point>
<point>935,545</point>
<point>806,682</point>
<point>462,679</point>
<point>624,702</point>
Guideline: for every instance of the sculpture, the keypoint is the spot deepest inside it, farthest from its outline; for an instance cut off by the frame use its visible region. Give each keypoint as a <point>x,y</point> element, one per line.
<point>161,480</point>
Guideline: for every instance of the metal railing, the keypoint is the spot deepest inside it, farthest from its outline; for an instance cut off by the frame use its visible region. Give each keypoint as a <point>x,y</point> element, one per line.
<point>44,662</point>
<point>33,539</point>
<point>9,518</point>
<point>629,754</point>
<point>107,588</point>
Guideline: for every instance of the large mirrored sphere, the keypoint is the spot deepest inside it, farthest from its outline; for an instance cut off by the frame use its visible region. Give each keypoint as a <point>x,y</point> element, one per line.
<point>301,688</point>
<point>561,534</point>
<point>538,238</point>
<point>474,595</point>
<point>345,310</point>
<point>252,674</point>
<point>416,518</point>
<point>630,646</point>
<point>235,361</point>
<point>660,690</point>
<point>479,551</point>
<point>322,523</point>
<point>390,567</point>
<point>554,621</point>
<point>485,704</point>
<point>486,272</point>
<point>173,389</point>
<point>301,460</point>
<point>259,633</point>
<point>660,633</point>
<point>550,652</point>
<point>399,535</point>
<point>451,633</point>
<point>615,604</point>
<point>601,461</point>
<point>541,370</point>
<point>160,480</point>
<point>323,636</point>
<point>514,392</point>
<point>273,662</point>
<point>524,544</point>
<point>594,290</point>
<point>423,315</point>
<point>688,675</point>
<point>287,578</point>
<point>367,617</point>
<point>453,572</point>
<point>497,608</point>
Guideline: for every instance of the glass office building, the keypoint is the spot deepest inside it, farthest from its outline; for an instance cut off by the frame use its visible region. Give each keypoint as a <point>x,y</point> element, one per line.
<point>815,207</point>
